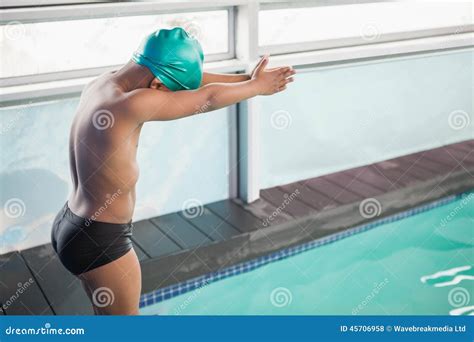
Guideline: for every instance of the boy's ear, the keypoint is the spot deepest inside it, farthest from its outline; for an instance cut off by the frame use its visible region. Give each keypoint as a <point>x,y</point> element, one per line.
<point>155,84</point>
<point>158,85</point>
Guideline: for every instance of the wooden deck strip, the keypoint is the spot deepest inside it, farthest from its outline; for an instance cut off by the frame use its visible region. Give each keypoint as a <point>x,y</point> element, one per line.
<point>66,296</point>
<point>267,213</point>
<point>445,157</point>
<point>399,176</point>
<point>350,182</point>
<point>446,181</point>
<point>152,240</point>
<point>32,300</point>
<point>417,171</point>
<point>423,162</point>
<point>451,157</point>
<point>314,199</point>
<point>460,156</point>
<point>235,215</point>
<point>368,176</point>
<point>418,160</point>
<point>466,146</point>
<point>211,225</point>
<point>336,193</point>
<point>287,201</point>
<point>181,231</point>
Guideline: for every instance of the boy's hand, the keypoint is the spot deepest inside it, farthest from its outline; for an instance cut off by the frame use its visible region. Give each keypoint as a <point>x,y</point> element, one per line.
<point>271,81</point>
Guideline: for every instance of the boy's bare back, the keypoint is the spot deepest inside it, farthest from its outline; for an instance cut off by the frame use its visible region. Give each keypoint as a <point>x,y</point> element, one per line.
<point>103,146</point>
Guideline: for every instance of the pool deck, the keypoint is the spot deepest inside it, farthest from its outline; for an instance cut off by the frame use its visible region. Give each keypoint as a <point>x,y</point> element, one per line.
<point>180,246</point>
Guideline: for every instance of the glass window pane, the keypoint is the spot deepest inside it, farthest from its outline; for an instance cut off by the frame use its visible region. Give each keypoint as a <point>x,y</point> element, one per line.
<point>366,21</point>
<point>34,164</point>
<point>341,124</point>
<point>29,49</point>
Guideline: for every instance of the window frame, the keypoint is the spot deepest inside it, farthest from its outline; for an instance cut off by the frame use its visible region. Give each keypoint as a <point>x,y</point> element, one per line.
<point>280,49</point>
<point>30,3</point>
<point>107,11</point>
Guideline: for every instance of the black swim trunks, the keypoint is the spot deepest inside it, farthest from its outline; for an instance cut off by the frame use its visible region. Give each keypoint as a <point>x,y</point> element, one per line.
<point>84,244</point>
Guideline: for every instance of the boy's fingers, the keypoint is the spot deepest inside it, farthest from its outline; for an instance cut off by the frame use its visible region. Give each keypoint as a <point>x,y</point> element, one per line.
<point>262,66</point>
<point>260,61</point>
<point>290,72</point>
<point>285,68</point>
<point>286,76</point>
<point>263,63</point>
<point>285,81</point>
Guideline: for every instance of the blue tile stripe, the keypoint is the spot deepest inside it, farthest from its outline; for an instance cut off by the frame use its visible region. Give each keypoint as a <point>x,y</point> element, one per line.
<point>168,292</point>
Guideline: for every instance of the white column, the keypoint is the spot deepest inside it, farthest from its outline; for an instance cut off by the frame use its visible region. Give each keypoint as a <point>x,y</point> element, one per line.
<point>247,50</point>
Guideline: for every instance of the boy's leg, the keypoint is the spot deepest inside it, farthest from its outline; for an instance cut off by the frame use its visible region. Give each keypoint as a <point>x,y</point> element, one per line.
<point>114,289</point>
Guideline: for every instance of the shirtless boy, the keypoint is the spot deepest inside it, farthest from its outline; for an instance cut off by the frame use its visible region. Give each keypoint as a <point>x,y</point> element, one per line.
<point>163,81</point>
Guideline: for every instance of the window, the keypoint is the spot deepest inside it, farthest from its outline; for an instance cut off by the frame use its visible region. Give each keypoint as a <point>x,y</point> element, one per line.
<point>343,25</point>
<point>26,3</point>
<point>47,47</point>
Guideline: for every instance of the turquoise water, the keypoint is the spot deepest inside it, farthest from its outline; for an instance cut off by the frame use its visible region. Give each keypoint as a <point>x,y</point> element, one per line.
<point>419,265</point>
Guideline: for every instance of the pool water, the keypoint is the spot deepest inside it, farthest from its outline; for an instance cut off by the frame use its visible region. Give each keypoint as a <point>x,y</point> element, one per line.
<point>422,264</point>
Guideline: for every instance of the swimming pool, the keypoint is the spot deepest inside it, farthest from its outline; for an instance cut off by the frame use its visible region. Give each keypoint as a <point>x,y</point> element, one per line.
<point>419,264</point>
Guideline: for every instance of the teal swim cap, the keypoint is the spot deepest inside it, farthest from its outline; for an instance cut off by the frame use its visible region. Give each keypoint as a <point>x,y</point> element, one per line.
<point>173,57</point>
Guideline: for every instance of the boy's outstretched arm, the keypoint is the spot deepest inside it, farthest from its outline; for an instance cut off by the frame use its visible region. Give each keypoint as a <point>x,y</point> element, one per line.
<point>151,105</point>
<point>208,78</point>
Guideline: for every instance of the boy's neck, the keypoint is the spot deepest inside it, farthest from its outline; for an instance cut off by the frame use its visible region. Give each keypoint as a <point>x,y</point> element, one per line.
<point>133,76</point>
